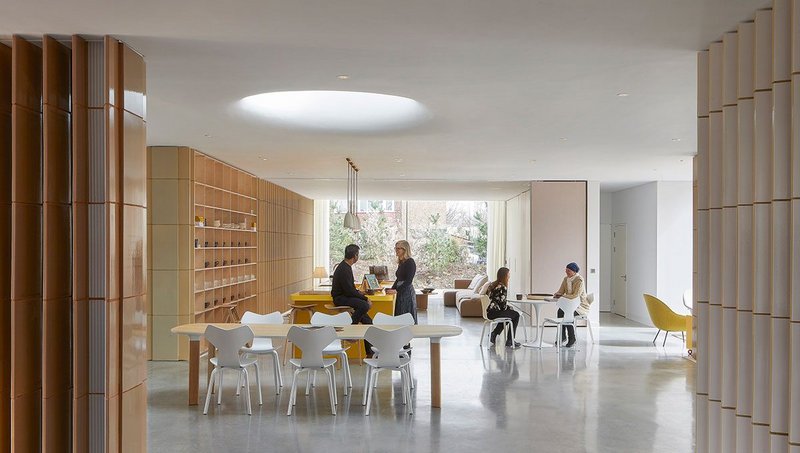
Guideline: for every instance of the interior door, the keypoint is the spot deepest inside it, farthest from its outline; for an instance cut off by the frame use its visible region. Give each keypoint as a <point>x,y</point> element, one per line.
<point>619,251</point>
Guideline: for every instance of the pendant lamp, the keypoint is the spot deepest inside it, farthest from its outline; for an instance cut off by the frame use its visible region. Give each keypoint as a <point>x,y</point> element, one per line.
<point>356,221</point>
<point>348,218</point>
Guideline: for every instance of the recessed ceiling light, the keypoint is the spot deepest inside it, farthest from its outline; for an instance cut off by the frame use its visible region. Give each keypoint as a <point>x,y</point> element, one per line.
<point>533,161</point>
<point>342,76</point>
<point>402,174</point>
<point>263,158</point>
<point>563,139</point>
<point>207,135</point>
<point>398,160</point>
<point>681,160</point>
<point>290,173</point>
<point>622,95</point>
<point>676,139</point>
<point>337,111</point>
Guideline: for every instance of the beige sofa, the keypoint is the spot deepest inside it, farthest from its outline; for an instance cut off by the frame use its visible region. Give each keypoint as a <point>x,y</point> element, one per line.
<point>465,296</point>
<point>465,287</point>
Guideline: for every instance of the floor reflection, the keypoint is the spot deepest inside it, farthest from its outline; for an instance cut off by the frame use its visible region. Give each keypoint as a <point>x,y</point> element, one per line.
<point>500,371</point>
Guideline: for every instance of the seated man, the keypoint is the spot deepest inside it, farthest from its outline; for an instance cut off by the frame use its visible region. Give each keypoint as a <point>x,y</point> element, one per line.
<point>572,287</point>
<point>343,288</point>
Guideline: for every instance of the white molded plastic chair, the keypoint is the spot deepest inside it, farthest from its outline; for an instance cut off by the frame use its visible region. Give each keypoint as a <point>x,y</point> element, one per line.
<point>687,300</point>
<point>228,343</point>
<point>406,319</point>
<point>567,306</point>
<point>311,342</point>
<point>590,299</point>
<point>336,347</point>
<point>506,322</point>
<point>264,346</point>
<point>387,341</point>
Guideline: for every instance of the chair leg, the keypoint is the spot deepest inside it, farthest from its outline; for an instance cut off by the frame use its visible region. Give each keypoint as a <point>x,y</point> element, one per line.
<point>258,383</point>
<point>411,376</point>
<point>247,390</point>
<point>277,369</point>
<point>367,385</point>
<point>483,334</point>
<point>403,383</point>
<point>407,389</point>
<point>373,376</point>
<point>683,338</point>
<point>656,337</point>
<point>210,388</point>
<point>239,384</point>
<point>666,334</point>
<point>219,386</point>
<point>333,374</point>
<point>589,327</point>
<point>293,394</point>
<point>308,381</point>
<point>332,388</point>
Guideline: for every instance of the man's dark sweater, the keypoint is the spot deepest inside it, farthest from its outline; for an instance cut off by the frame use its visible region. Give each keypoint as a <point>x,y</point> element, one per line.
<point>342,284</point>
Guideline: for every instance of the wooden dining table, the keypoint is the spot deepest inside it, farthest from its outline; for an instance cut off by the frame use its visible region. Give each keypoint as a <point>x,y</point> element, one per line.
<point>279,331</point>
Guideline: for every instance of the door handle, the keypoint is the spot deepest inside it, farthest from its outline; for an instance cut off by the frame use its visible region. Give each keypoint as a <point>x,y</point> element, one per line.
<point>624,277</point>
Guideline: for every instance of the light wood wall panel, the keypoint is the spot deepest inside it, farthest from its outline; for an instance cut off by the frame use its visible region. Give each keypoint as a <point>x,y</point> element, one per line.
<point>5,247</point>
<point>57,244</point>
<point>286,238</point>
<point>26,246</point>
<point>766,244</point>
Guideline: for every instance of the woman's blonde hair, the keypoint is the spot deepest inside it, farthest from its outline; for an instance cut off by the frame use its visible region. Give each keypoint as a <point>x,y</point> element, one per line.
<point>403,244</point>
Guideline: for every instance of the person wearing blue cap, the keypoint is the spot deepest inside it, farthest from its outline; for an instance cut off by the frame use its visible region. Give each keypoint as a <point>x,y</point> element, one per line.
<point>572,287</point>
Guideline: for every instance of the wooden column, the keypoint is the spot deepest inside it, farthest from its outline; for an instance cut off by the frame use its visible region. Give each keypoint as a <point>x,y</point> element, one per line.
<point>130,110</point>
<point>794,411</point>
<point>715,165</point>
<point>26,246</point>
<point>729,164</point>
<point>80,245</point>
<point>57,259</point>
<point>744,265</point>
<point>701,250</point>
<point>5,247</point>
<point>763,167</point>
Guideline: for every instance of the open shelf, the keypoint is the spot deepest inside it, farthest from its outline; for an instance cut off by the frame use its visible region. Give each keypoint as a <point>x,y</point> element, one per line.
<point>227,195</point>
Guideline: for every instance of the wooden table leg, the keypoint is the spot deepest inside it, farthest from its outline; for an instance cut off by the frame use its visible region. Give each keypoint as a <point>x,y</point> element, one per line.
<point>436,376</point>
<point>194,371</point>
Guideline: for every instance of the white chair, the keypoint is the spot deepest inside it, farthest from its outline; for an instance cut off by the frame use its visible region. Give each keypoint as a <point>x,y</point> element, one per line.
<point>387,341</point>
<point>687,300</point>
<point>311,342</point>
<point>264,346</point>
<point>567,306</point>
<point>506,322</point>
<point>335,348</point>
<point>406,319</point>
<point>590,299</point>
<point>228,343</point>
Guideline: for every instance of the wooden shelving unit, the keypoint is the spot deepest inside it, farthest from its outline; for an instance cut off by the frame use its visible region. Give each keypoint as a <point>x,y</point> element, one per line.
<point>225,253</point>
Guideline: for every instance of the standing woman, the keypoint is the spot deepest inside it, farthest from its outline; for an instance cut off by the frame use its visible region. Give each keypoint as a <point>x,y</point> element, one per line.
<point>406,301</point>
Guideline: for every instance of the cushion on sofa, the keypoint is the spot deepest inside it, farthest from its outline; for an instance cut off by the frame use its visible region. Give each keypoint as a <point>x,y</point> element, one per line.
<point>475,282</point>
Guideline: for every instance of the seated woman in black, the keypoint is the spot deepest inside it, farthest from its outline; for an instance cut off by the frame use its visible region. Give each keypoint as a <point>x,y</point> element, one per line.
<point>498,306</point>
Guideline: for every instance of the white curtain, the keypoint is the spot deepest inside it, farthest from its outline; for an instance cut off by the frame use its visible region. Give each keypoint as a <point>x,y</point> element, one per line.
<point>322,233</point>
<point>496,241</point>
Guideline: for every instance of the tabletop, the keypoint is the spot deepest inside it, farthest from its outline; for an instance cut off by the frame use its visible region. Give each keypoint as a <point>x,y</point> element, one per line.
<point>351,332</point>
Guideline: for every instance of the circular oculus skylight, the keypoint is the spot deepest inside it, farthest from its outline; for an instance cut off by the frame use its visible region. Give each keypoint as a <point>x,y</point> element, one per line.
<point>337,111</point>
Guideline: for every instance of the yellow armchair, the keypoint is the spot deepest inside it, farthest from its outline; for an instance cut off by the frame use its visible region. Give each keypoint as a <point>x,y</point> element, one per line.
<point>664,318</point>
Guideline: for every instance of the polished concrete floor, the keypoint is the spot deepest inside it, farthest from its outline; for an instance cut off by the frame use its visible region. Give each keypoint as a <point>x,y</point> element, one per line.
<point>621,395</point>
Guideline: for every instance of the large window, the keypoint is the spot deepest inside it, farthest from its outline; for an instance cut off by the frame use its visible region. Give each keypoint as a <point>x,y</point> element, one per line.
<point>448,238</point>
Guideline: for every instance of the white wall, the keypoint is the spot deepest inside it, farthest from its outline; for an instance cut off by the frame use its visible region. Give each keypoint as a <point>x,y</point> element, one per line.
<point>594,272</point>
<point>674,242</point>
<point>636,207</point>
<point>658,216</point>
<point>518,258</point>
<point>606,219</point>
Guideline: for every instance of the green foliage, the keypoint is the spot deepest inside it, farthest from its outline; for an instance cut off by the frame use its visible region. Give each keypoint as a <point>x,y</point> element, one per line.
<point>479,241</point>
<point>438,250</point>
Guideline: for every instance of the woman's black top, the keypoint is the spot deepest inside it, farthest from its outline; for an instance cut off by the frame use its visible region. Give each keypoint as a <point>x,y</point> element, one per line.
<point>497,298</point>
<point>405,273</point>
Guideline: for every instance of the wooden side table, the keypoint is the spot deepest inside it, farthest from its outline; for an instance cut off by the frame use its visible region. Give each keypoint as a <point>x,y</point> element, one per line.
<point>422,301</point>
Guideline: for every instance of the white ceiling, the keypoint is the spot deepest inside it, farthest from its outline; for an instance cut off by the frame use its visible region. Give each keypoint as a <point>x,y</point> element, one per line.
<point>506,82</point>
